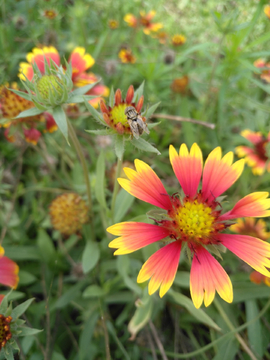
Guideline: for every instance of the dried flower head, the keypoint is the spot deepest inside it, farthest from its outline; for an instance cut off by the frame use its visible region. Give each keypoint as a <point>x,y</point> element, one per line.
<point>180,85</point>
<point>5,333</point>
<point>113,24</point>
<point>50,14</point>
<point>178,40</point>
<point>169,57</point>
<point>68,213</point>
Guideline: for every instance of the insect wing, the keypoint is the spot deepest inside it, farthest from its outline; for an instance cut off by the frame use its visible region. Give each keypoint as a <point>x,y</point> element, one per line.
<point>134,128</point>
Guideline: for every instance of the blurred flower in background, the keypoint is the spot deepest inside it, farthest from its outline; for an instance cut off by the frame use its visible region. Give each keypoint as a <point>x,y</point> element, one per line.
<point>80,61</point>
<point>267,11</point>
<point>11,105</point>
<point>68,213</point>
<point>178,40</point>
<point>113,24</point>
<point>180,85</point>
<point>144,20</point>
<point>50,14</point>
<point>126,56</point>
<point>265,69</point>
<point>255,157</point>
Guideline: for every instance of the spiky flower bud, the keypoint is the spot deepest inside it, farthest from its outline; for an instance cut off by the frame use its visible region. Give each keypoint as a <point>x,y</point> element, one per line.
<point>50,84</point>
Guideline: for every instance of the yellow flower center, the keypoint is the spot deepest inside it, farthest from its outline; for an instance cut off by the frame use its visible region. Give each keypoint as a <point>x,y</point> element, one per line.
<point>195,220</point>
<point>118,115</point>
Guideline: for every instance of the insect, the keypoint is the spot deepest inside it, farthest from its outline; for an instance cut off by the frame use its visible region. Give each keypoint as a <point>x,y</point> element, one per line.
<point>135,121</point>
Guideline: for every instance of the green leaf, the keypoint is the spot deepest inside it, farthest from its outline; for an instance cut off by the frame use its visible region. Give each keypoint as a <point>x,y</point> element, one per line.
<point>26,278</point>
<point>96,115</point>
<point>61,121</point>
<point>254,329</point>
<point>93,291</point>
<point>141,144</point>
<point>101,132</point>
<point>123,203</point>
<point>199,314</point>
<point>46,247</point>
<point>138,93</point>
<point>243,291</point>
<point>152,125</point>
<point>149,112</point>
<point>119,145</point>
<point>22,252</point>
<point>100,180</point>
<point>26,331</point>
<point>69,295</point>
<point>84,89</point>
<point>21,94</point>
<point>79,98</point>
<point>8,352</point>
<point>30,112</point>
<point>142,316</point>
<point>98,47</point>
<point>20,309</point>
<point>90,256</point>
<point>118,342</point>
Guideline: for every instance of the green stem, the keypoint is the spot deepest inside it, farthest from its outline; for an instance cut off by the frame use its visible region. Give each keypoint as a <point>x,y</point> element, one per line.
<point>79,152</point>
<point>231,327</point>
<point>116,185</point>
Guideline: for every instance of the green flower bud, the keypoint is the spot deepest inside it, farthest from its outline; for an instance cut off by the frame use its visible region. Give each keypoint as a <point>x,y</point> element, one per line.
<point>50,84</point>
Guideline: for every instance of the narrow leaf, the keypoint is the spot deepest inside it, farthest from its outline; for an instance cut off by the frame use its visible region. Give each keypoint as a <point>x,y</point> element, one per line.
<point>84,89</point>
<point>149,112</point>
<point>100,180</point>
<point>119,145</point>
<point>101,132</point>
<point>21,94</point>
<point>199,314</point>
<point>111,99</point>
<point>138,93</point>
<point>20,309</point>
<point>152,125</point>
<point>30,112</point>
<point>26,331</point>
<point>93,291</point>
<point>61,121</point>
<point>79,98</point>
<point>123,203</point>
<point>90,256</point>
<point>144,145</point>
<point>96,115</point>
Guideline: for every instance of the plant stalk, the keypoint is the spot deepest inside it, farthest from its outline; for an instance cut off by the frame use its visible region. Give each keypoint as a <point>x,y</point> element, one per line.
<point>116,186</point>
<point>79,152</point>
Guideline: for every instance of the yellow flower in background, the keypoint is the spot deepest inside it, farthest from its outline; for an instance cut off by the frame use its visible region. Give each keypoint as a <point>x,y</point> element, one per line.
<point>131,20</point>
<point>126,56</point>
<point>68,213</point>
<point>266,10</point>
<point>251,227</point>
<point>178,40</point>
<point>50,14</point>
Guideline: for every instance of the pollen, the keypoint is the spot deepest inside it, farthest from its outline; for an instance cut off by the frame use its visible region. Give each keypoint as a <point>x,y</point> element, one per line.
<point>195,220</point>
<point>5,333</point>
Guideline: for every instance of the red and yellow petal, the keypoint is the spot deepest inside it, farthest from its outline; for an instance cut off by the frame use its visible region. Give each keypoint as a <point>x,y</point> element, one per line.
<point>187,167</point>
<point>131,20</point>
<point>253,251</point>
<point>37,56</point>
<point>134,236</point>
<point>80,61</point>
<point>161,267</point>
<point>8,272</point>
<point>25,71</point>
<point>145,185</point>
<point>253,137</point>
<point>242,151</point>
<point>253,205</point>
<point>219,174</point>
<point>206,277</point>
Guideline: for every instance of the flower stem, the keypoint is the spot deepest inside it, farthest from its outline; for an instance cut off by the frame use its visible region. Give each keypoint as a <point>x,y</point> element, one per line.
<point>116,185</point>
<point>79,152</point>
<point>231,327</point>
